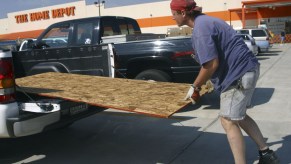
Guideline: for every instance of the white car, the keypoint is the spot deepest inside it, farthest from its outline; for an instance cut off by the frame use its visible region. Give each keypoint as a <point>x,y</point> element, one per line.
<point>250,42</point>
<point>261,37</point>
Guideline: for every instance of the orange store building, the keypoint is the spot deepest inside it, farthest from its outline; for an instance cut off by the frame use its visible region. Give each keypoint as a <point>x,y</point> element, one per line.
<point>153,17</point>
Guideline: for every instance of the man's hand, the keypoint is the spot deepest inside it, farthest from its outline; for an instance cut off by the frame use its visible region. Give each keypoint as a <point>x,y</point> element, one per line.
<point>193,94</point>
<point>195,97</point>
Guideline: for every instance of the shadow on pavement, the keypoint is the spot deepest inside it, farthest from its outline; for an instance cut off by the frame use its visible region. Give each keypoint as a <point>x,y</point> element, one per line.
<point>209,100</point>
<point>262,96</point>
<point>102,139</point>
<point>284,149</point>
<point>115,139</point>
<point>267,54</point>
<point>263,58</point>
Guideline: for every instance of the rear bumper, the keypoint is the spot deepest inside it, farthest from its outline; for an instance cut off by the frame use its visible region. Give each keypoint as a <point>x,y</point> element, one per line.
<point>263,45</point>
<point>30,123</point>
<point>6,111</point>
<point>33,123</point>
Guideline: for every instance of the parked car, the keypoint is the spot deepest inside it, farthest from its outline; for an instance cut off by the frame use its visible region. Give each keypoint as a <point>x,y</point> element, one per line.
<point>261,37</point>
<point>250,42</point>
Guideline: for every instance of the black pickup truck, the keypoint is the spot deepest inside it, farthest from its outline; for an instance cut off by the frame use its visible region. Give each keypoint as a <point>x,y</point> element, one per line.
<point>69,46</point>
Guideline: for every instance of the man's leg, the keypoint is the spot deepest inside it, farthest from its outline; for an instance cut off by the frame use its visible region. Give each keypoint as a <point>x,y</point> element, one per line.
<point>267,156</point>
<point>252,129</point>
<point>235,139</point>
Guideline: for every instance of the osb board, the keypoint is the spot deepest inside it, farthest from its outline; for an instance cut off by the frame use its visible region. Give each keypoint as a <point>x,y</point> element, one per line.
<point>153,98</point>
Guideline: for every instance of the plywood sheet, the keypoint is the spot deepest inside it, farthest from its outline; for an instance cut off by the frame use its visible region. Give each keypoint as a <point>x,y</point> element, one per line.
<point>153,98</point>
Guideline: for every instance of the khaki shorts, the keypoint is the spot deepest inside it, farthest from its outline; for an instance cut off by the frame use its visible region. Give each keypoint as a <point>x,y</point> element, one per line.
<point>235,100</point>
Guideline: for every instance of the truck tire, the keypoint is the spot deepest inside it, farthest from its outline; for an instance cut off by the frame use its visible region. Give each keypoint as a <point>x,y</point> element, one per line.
<point>155,75</point>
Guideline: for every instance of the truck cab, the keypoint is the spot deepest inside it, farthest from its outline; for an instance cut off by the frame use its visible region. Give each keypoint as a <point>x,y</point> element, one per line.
<point>138,56</point>
<point>87,31</point>
<point>67,46</point>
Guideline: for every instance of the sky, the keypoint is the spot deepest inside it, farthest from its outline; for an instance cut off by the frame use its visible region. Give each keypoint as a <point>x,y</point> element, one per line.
<point>8,6</point>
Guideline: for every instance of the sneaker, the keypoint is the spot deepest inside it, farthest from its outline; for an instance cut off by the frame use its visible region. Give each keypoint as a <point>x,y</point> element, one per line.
<point>269,158</point>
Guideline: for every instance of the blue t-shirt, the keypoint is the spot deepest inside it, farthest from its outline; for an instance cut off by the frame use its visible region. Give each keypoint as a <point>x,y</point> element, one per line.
<point>213,38</point>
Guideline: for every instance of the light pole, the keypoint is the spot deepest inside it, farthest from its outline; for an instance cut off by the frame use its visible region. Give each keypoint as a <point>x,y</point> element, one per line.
<point>99,4</point>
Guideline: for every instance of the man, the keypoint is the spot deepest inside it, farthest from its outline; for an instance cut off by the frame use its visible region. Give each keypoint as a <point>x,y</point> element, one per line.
<point>282,37</point>
<point>233,69</point>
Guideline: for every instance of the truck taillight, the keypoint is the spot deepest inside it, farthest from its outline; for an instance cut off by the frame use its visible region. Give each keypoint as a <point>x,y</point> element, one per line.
<point>7,81</point>
<point>7,98</point>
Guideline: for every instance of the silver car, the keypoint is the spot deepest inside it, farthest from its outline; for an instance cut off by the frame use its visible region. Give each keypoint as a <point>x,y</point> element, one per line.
<point>261,37</point>
<point>250,42</point>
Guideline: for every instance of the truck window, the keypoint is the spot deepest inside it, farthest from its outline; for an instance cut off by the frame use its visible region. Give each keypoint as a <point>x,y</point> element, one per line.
<point>109,28</point>
<point>124,27</point>
<point>108,31</point>
<point>119,26</point>
<point>258,33</point>
<point>84,33</point>
<point>133,27</point>
<point>127,26</point>
<point>56,37</point>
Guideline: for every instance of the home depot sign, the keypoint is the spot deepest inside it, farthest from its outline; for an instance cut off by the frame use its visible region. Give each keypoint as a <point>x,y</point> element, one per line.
<point>44,15</point>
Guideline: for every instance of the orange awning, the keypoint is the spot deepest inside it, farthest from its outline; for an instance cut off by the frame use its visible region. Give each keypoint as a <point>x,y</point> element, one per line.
<point>21,35</point>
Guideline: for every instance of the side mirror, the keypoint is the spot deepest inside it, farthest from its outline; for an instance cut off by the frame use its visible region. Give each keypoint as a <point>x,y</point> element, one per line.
<point>30,44</point>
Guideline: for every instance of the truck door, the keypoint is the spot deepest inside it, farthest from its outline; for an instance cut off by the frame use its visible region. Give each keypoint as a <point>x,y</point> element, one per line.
<point>84,48</point>
<point>51,46</point>
<point>55,42</point>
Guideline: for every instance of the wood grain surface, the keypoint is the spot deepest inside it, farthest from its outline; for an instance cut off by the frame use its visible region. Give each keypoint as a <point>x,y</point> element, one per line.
<point>160,99</point>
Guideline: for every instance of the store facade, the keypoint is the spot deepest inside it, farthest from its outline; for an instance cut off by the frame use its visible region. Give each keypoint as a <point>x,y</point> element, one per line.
<point>153,17</point>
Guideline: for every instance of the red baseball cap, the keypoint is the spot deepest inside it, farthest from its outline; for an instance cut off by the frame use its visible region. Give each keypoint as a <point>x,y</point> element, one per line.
<point>183,5</point>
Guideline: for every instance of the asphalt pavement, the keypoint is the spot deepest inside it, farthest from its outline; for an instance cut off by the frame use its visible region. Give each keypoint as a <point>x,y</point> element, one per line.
<point>194,135</point>
<point>271,110</point>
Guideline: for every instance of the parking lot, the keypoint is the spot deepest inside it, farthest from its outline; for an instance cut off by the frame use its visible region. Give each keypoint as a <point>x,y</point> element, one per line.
<point>193,135</point>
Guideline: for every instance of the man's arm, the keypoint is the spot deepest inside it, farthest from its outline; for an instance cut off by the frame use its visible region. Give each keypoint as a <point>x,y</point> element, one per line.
<point>206,71</point>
